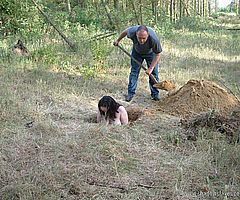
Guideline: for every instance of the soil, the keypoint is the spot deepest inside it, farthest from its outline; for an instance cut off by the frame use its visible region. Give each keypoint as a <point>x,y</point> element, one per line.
<point>135,112</point>
<point>215,121</point>
<point>198,96</point>
<point>167,85</point>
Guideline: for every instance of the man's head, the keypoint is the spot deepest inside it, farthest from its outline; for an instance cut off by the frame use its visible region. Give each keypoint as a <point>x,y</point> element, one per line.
<point>142,34</point>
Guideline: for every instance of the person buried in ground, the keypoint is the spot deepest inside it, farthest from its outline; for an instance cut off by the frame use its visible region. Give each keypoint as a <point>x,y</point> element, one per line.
<point>111,112</point>
<point>146,46</point>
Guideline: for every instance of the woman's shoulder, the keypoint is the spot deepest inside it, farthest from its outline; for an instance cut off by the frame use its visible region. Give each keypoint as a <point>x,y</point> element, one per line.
<point>121,109</point>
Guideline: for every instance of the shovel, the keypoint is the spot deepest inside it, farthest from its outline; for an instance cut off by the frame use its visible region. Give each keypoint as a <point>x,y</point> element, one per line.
<point>163,85</point>
<point>140,64</point>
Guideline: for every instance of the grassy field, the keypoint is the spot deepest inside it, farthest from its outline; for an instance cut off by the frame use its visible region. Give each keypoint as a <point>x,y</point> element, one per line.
<point>50,148</point>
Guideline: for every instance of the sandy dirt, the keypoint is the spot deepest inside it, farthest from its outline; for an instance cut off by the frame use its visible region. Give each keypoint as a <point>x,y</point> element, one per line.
<point>196,97</point>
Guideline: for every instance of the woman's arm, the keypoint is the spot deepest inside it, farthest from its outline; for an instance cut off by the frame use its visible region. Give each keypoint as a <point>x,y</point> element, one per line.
<point>98,117</point>
<point>123,115</point>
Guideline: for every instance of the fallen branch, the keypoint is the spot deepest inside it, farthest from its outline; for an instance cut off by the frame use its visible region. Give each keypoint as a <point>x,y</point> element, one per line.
<point>102,36</point>
<point>50,21</point>
<point>92,182</point>
<point>125,189</point>
<point>233,29</point>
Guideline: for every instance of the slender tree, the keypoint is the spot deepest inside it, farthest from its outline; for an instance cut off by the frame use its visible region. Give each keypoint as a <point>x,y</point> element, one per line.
<point>171,10</point>
<point>69,6</point>
<point>239,7</point>
<point>116,4</point>
<point>135,12</point>
<point>140,11</point>
<point>108,13</point>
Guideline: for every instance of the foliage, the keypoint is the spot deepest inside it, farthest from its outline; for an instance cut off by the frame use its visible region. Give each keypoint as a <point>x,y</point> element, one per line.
<point>164,25</point>
<point>100,49</point>
<point>46,54</point>
<point>193,23</point>
<point>223,14</point>
<point>84,17</point>
<point>19,16</point>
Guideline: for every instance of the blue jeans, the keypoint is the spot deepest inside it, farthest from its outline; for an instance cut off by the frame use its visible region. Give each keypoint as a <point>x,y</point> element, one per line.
<point>135,69</point>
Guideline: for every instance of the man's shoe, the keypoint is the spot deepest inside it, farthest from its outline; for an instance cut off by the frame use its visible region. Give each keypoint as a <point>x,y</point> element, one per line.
<point>128,98</point>
<point>156,98</point>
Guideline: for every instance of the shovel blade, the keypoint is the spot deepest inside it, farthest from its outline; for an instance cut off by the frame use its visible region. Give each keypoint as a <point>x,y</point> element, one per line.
<point>167,85</point>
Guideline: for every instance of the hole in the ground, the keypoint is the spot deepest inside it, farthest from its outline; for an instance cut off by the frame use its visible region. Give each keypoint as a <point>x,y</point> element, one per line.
<point>134,113</point>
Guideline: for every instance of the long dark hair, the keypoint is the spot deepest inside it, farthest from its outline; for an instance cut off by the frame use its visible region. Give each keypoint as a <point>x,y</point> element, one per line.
<point>111,105</point>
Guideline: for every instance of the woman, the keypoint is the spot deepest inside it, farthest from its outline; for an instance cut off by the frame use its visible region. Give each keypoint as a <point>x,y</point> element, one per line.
<point>111,111</point>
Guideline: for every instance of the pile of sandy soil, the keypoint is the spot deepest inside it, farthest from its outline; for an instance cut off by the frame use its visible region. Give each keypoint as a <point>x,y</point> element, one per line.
<point>198,96</point>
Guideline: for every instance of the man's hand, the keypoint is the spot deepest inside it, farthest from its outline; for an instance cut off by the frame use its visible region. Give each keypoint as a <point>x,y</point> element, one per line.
<point>115,43</point>
<point>149,71</point>
<point>121,36</point>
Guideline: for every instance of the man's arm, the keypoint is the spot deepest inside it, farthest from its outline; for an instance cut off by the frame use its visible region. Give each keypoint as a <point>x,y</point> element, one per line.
<point>121,36</point>
<point>153,64</point>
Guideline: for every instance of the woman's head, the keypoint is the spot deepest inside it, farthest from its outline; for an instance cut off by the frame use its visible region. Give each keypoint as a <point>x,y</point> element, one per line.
<point>108,107</point>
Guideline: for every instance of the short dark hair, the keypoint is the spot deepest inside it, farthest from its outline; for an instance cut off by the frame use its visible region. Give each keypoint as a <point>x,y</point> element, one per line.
<point>111,105</point>
<point>142,28</point>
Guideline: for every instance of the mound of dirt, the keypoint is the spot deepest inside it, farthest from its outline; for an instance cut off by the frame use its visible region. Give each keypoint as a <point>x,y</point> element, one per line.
<point>196,97</point>
<point>215,121</point>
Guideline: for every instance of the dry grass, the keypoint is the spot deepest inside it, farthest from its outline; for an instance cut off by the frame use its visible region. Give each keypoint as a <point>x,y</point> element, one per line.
<point>50,149</point>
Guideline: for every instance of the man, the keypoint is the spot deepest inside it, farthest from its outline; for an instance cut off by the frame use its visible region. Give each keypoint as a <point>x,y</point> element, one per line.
<point>146,45</point>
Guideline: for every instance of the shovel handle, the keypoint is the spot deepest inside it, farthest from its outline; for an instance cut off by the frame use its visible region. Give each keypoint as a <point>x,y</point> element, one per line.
<point>140,64</point>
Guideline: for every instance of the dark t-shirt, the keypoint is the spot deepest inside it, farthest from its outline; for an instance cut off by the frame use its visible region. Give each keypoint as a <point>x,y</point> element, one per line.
<point>151,45</point>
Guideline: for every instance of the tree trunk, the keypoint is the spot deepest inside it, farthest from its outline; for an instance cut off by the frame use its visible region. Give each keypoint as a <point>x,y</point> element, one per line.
<point>199,7</point>
<point>209,8</point>
<point>124,6</point>
<point>174,11</point>
<point>116,4</point>
<point>171,10</point>
<point>181,13</point>
<point>239,7</point>
<point>109,16</point>
<point>153,7</point>
<point>154,10</point>
<point>195,7</point>
<point>141,15</point>
<point>59,32</point>
<point>135,11</point>
<point>69,6</point>
<point>203,8</point>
